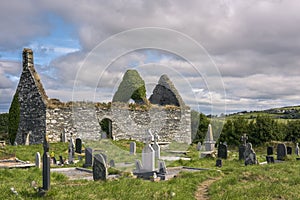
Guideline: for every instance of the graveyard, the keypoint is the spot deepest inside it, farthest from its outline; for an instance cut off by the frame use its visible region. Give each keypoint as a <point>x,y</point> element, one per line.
<point>147,149</point>
<point>233,180</point>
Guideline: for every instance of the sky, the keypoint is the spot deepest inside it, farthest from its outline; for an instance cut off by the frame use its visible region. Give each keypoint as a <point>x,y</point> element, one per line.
<point>223,56</point>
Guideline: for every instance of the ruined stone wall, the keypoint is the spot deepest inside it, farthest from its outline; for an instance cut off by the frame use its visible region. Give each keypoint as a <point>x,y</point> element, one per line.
<point>83,121</point>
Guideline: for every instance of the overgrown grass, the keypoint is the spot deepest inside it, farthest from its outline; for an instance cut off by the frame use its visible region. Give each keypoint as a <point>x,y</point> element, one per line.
<point>273,181</point>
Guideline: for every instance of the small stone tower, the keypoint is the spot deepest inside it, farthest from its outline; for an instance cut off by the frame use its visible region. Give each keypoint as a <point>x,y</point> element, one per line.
<point>33,101</point>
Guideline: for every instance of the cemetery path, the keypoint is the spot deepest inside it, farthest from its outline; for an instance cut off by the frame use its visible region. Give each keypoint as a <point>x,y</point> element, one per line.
<point>202,191</point>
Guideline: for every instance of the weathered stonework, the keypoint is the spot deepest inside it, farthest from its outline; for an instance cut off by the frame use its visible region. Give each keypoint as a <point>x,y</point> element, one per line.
<point>41,115</point>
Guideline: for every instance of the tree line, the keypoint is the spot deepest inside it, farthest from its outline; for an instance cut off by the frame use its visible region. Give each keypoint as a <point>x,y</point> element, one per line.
<point>260,130</point>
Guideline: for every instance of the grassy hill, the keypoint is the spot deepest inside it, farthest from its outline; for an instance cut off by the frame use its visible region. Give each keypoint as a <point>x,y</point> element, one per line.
<point>289,112</point>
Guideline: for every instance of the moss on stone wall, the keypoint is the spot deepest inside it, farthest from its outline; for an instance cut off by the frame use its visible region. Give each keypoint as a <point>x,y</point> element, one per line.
<point>131,87</point>
<point>13,118</point>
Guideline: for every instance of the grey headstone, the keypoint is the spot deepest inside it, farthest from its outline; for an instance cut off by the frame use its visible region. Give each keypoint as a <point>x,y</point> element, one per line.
<point>222,151</point>
<point>242,149</point>
<point>78,145</point>
<point>103,135</point>
<point>138,165</point>
<point>38,160</point>
<point>156,148</point>
<point>132,148</point>
<point>218,163</point>
<point>297,149</point>
<point>88,157</point>
<point>63,137</point>
<point>71,151</point>
<point>250,155</point>
<point>112,163</point>
<point>148,158</point>
<point>162,167</point>
<point>99,168</point>
<point>281,151</point>
<point>199,146</point>
<point>289,150</point>
<point>270,151</point>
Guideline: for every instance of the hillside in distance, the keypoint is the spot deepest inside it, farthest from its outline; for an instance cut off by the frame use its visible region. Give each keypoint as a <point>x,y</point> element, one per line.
<point>288,112</point>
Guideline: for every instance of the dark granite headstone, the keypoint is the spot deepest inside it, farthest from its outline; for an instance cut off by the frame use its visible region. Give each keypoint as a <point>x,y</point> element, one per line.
<point>78,145</point>
<point>162,167</point>
<point>218,163</point>
<point>222,151</point>
<point>242,149</point>
<point>270,159</point>
<point>54,160</point>
<point>88,157</point>
<point>289,150</point>
<point>61,160</point>
<point>281,151</point>
<point>99,168</point>
<point>270,151</point>
<point>46,166</point>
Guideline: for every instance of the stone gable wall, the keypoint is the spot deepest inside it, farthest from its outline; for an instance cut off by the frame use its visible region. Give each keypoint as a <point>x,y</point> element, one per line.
<point>32,110</point>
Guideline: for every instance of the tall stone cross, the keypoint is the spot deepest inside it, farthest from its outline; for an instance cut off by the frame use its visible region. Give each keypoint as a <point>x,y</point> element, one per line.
<point>244,139</point>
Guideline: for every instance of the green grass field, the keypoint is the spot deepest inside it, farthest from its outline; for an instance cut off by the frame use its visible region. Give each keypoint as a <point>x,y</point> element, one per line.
<point>236,181</point>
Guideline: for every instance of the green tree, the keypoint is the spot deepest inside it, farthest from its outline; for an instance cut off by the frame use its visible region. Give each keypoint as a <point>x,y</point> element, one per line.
<point>292,132</point>
<point>202,128</point>
<point>13,118</point>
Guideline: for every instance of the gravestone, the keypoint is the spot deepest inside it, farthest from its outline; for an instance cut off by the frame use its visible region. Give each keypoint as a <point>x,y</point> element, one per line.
<point>250,155</point>
<point>289,150</point>
<point>199,146</point>
<point>209,140</point>
<point>103,135</point>
<point>61,160</point>
<point>156,147</point>
<point>63,136</point>
<point>270,151</point>
<point>46,165</point>
<point>162,167</point>
<point>71,151</point>
<point>281,151</point>
<point>78,145</point>
<point>132,148</point>
<point>54,160</point>
<point>138,165</point>
<point>242,149</point>
<point>88,157</point>
<point>99,168</point>
<point>270,159</point>
<point>38,160</point>
<point>148,154</point>
<point>112,163</point>
<point>297,149</point>
<point>148,158</point>
<point>222,151</point>
<point>27,142</point>
<point>218,163</point>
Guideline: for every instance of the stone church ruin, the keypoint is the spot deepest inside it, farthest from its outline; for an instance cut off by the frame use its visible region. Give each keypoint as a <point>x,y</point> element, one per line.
<point>164,112</point>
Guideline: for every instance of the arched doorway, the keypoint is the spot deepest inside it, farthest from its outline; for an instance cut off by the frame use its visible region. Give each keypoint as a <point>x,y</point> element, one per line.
<point>106,126</point>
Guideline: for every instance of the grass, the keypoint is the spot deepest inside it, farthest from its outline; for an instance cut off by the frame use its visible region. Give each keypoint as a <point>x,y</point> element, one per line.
<point>274,181</point>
